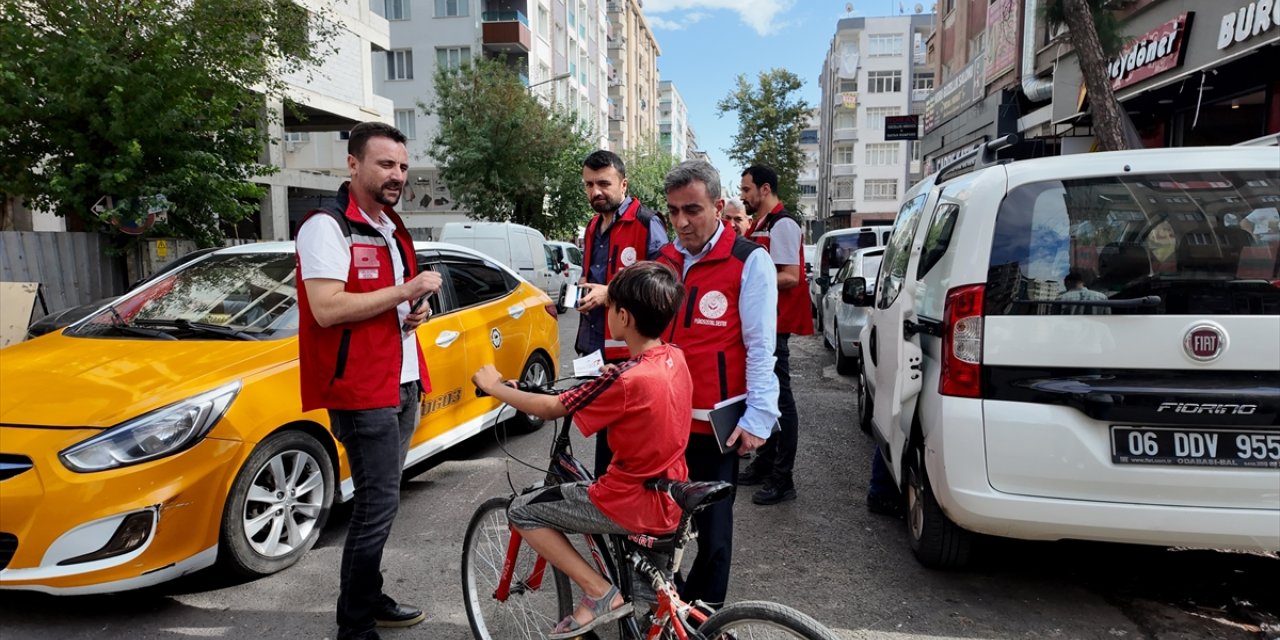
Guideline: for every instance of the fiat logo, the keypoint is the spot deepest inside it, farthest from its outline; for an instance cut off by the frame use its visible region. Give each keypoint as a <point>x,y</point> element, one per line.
<point>1204,343</point>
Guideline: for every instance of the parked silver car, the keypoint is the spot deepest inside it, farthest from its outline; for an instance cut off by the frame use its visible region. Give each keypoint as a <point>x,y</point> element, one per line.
<point>843,329</point>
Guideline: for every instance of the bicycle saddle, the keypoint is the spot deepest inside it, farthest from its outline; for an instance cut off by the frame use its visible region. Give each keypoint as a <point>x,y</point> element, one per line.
<point>691,496</point>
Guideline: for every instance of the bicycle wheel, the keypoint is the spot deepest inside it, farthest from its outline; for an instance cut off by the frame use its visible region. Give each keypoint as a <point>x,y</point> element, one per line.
<point>530,611</point>
<point>755,619</point>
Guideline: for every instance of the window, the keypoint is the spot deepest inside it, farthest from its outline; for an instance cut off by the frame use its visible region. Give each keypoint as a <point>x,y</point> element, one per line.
<point>843,154</point>
<point>880,190</point>
<point>923,82</point>
<point>809,136</point>
<point>453,57</point>
<point>808,189</point>
<point>875,116</point>
<point>885,153</point>
<point>893,264</point>
<point>939,237</point>
<point>475,282</point>
<point>1213,253</point>
<point>848,85</point>
<point>451,8</point>
<point>884,44</point>
<point>884,81</point>
<point>400,64</point>
<point>407,123</point>
<point>397,9</point>
<point>844,189</point>
<point>544,23</point>
<point>846,119</point>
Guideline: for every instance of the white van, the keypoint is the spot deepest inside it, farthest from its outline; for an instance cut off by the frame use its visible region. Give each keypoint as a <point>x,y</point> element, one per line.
<point>833,248</point>
<point>521,248</point>
<point>1082,347</point>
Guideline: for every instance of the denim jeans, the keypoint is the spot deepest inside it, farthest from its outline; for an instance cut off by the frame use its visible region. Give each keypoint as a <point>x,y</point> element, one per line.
<point>377,442</point>
<point>777,457</point>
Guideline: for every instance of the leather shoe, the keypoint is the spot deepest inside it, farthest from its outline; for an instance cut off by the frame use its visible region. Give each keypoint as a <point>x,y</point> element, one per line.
<point>773,494</point>
<point>367,634</point>
<point>392,614</point>
<point>751,476</point>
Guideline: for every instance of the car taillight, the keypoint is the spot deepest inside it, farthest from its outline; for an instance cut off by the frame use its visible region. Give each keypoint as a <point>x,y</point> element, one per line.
<point>551,309</point>
<point>962,343</point>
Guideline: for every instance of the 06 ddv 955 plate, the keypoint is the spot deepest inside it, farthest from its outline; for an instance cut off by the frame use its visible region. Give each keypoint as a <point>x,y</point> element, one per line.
<point>1196,447</point>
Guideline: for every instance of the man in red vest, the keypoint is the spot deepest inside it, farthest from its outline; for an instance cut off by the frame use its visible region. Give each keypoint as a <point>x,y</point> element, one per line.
<point>726,327</point>
<point>359,356</point>
<point>782,236</point>
<point>621,233</point>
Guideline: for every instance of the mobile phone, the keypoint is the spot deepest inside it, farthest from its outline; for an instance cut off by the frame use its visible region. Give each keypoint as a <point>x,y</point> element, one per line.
<point>413,308</point>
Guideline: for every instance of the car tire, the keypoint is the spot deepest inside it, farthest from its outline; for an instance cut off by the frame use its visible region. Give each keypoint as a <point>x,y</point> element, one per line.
<point>251,541</point>
<point>936,541</point>
<point>845,365</point>
<point>865,404</point>
<point>537,371</point>
<point>560,308</point>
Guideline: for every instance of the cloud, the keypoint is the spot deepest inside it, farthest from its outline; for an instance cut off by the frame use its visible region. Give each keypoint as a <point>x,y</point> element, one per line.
<point>764,16</point>
<point>658,22</point>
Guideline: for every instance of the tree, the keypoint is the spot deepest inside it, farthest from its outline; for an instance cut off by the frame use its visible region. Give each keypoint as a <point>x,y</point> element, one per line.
<point>770,119</point>
<point>136,99</point>
<point>505,156</point>
<point>1095,34</point>
<point>647,167</point>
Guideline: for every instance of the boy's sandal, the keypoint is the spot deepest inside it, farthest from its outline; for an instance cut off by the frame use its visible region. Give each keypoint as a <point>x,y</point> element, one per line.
<point>600,614</point>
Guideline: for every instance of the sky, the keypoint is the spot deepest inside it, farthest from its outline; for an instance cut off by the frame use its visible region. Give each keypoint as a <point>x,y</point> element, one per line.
<point>707,44</point>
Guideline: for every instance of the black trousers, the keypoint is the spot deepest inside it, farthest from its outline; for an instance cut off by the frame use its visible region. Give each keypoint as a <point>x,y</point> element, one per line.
<point>777,457</point>
<point>708,578</point>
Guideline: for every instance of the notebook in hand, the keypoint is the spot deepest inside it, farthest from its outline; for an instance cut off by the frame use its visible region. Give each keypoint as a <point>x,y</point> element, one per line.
<point>724,419</point>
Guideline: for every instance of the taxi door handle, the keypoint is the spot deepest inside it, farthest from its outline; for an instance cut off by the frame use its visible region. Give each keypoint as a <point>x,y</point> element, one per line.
<point>446,338</point>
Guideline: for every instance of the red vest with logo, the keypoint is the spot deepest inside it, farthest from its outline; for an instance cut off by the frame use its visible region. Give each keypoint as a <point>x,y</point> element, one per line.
<point>795,313</point>
<point>628,244</point>
<point>707,325</point>
<point>356,365</point>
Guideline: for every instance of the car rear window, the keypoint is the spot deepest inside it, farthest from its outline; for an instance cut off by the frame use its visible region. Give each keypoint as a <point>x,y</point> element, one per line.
<point>1202,242</point>
<point>837,249</point>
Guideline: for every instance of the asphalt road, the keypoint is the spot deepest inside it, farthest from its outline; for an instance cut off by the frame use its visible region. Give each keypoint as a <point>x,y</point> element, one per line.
<point>822,553</point>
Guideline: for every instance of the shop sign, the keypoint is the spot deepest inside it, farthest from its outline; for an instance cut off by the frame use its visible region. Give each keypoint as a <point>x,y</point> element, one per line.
<point>1155,52</point>
<point>902,127</point>
<point>1002,37</point>
<point>1248,21</point>
<point>933,164</point>
<point>955,95</point>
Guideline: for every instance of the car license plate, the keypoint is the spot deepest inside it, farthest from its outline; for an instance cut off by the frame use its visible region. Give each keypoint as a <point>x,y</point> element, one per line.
<point>1195,447</point>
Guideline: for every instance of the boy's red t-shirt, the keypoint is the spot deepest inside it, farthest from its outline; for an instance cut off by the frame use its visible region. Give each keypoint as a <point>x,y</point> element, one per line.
<point>647,405</point>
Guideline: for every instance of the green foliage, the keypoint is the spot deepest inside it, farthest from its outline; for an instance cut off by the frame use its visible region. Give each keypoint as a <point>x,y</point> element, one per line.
<point>138,98</point>
<point>1109,28</point>
<point>647,169</point>
<point>770,118</point>
<point>505,156</point>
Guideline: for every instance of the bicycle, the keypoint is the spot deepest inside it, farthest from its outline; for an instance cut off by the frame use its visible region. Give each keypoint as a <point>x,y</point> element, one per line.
<point>509,592</point>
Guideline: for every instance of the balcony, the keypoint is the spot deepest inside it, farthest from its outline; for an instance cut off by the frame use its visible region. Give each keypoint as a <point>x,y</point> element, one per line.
<point>617,41</point>
<point>506,32</point>
<point>846,134</point>
<point>844,169</point>
<point>843,204</point>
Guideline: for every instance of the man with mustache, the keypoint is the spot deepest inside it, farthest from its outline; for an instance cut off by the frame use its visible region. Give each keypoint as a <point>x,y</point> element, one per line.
<point>359,356</point>
<point>621,233</point>
<point>735,214</point>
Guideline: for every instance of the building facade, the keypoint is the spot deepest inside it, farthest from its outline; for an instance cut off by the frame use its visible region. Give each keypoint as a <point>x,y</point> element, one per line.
<point>810,173</point>
<point>673,121</point>
<point>875,67</point>
<point>557,47</point>
<point>633,76</point>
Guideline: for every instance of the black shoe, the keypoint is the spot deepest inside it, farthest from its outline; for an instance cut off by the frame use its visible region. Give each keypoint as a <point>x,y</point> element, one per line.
<point>367,634</point>
<point>750,476</point>
<point>884,506</point>
<point>391,614</point>
<point>773,494</point>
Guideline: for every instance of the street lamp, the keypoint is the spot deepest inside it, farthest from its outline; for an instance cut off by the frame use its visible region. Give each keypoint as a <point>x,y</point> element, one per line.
<point>548,80</point>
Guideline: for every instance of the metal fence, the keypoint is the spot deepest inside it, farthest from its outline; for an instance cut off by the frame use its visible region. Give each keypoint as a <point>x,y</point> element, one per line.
<point>72,268</point>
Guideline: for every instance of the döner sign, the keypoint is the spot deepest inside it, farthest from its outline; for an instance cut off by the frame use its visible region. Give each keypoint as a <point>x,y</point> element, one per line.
<point>1157,51</point>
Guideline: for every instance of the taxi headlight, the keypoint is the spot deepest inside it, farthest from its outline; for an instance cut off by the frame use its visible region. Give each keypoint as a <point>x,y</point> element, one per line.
<point>165,431</point>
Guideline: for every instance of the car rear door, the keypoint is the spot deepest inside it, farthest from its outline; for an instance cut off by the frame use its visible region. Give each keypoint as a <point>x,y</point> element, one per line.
<point>443,348</point>
<point>1130,344</point>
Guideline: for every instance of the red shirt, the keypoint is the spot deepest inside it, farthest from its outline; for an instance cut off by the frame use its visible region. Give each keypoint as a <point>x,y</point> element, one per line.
<point>647,406</point>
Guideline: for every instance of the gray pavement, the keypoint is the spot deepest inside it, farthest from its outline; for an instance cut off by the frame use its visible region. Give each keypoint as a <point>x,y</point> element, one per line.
<point>822,553</point>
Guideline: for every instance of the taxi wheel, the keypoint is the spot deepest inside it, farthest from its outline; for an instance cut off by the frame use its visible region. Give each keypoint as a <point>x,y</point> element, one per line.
<point>537,372</point>
<point>278,504</point>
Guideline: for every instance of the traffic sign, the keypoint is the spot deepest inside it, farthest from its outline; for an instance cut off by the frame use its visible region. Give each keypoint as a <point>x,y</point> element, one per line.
<point>102,206</point>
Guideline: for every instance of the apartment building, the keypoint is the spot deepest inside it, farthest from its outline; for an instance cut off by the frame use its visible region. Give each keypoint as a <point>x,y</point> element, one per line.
<point>875,67</point>
<point>673,121</point>
<point>809,172</point>
<point>556,47</point>
<point>633,76</point>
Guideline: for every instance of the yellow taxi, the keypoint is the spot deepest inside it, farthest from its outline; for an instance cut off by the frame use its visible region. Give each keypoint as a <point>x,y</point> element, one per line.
<point>165,432</point>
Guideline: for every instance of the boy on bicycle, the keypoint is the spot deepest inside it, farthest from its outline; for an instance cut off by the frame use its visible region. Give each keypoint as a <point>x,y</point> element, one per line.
<point>646,404</point>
